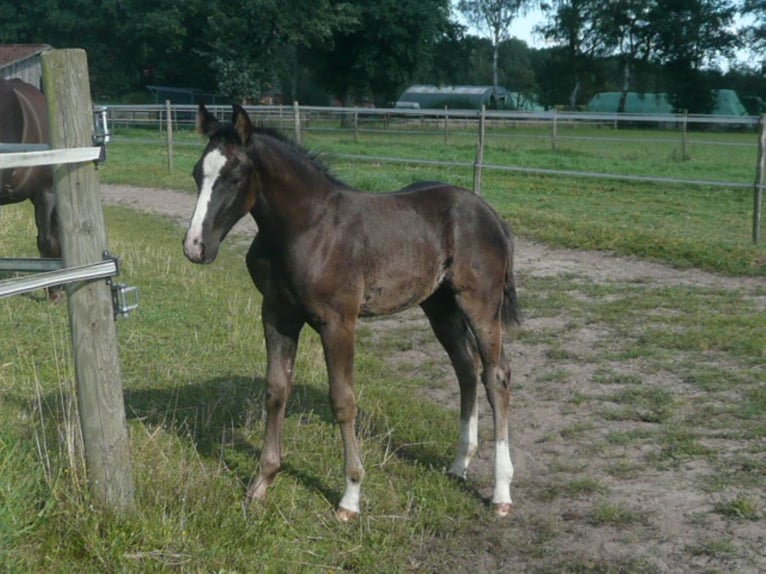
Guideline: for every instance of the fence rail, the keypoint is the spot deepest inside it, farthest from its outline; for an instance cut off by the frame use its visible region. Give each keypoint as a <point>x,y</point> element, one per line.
<point>467,123</point>
<point>154,115</point>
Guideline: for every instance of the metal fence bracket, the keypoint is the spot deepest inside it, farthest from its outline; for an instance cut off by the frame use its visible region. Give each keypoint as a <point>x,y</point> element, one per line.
<point>51,272</point>
<point>125,298</point>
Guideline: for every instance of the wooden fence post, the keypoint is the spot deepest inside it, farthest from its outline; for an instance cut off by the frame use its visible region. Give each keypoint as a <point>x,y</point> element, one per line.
<point>760,168</point>
<point>477,164</point>
<point>91,313</point>
<point>684,137</point>
<point>169,119</point>
<point>446,125</point>
<point>554,134</point>
<point>297,119</point>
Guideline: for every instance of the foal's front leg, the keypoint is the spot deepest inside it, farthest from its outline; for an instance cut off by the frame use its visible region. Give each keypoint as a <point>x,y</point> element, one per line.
<point>282,333</point>
<point>338,344</point>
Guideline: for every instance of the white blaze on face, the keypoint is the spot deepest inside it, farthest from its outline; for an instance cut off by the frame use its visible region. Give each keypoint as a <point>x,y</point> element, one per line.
<point>211,170</point>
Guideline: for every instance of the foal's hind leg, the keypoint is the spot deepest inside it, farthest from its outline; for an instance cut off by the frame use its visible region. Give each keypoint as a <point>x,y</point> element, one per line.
<point>484,319</point>
<point>450,328</point>
<point>338,344</point>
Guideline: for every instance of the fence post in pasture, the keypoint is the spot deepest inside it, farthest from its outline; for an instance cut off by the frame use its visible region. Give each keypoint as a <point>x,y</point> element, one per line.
<point>91,312</point>
<point>446,125</point>
<point>555,128</point>
<point>760,168</point>
<point>479,155</point>
<point>297,119</point>
<point>168,115</point>
<point>356,126</point>
<point>684,138</point>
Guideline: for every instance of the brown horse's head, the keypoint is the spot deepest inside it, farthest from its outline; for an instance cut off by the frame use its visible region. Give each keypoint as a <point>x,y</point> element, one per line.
<point>226,183</point>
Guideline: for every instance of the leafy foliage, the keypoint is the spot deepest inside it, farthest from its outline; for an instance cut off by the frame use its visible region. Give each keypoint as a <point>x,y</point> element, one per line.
<point>369,51</point>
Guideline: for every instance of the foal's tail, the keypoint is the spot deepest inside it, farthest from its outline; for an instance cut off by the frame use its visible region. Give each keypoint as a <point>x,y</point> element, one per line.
<point>511,312</point>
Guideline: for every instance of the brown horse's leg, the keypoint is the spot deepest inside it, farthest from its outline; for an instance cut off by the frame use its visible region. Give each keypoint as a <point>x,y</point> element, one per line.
<point>484,318</point>
<point>47,225</point>
<point>48,232</point>
<point>451,330</point>
<point>338,343</point>
<point>282,332</point>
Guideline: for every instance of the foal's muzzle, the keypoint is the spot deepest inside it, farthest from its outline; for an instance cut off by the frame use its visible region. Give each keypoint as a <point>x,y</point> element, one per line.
<point>196,251</point>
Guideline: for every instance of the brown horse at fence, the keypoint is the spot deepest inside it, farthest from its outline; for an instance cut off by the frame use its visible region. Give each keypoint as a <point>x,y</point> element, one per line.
<point>24,120</point>
<point>326,254</point>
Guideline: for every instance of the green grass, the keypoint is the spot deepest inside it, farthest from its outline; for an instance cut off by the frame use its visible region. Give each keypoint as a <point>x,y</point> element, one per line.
<point>192,362</point>
<point>674,380</point>
<point>684,225</point>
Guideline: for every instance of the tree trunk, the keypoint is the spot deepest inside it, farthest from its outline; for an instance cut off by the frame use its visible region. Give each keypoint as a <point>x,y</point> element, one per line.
<point>495,53</point>
<point>627,75</point>
<point>573,95</point>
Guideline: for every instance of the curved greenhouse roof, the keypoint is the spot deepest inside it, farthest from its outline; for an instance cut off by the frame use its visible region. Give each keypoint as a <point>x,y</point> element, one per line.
<point>455,97</point>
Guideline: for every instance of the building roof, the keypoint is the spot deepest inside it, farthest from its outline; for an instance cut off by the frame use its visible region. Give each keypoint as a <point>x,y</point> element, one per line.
<point>470,97</point>
<point>12,53</point>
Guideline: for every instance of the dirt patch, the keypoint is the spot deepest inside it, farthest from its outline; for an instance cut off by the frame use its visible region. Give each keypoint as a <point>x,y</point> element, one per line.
<point>595,490</point>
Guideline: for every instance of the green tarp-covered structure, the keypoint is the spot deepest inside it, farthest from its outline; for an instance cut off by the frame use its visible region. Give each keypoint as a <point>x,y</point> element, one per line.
<point>727,103</point>
<point>635,103</point>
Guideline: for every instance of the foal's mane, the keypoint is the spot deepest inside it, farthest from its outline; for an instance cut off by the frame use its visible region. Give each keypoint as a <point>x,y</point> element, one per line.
<point>303,154</point>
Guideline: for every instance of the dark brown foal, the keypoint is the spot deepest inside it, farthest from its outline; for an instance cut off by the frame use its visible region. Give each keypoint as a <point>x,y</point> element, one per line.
<point>326,254</point>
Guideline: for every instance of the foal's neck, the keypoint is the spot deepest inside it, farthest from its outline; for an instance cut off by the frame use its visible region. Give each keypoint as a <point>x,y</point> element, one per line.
<point>294,187</point>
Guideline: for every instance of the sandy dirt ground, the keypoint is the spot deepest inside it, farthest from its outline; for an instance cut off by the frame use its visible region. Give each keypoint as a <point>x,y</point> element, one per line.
<point>670,523</point>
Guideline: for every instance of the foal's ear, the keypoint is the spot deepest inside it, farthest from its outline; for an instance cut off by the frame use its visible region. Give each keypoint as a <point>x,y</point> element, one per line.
<point>241,122</point>
<point>206,122</point>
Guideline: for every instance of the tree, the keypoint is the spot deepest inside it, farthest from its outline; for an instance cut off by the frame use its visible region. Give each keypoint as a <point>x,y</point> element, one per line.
<point>688,34</point>
<point>574,23</point>
<point>515,70</point>
<point>494,16</point>
<point>381,53</point>
<point>447,65</point>
<point>625,27</point>
<point>253,44</point>
<point>158,42</point>
<point>756,33</point>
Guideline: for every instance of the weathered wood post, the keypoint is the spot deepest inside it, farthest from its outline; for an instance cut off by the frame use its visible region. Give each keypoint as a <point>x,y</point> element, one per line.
<point>760,168</point>
<point>91,313</point>
<point>446,125</point>
<point>169,120</point>
<point>477,164</point>
<point>297,121</point>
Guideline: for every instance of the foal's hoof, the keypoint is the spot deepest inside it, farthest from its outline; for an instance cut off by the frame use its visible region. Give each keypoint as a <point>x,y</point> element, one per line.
<point>256,492</point>
<point>503,509</point>
<point>345,515</point>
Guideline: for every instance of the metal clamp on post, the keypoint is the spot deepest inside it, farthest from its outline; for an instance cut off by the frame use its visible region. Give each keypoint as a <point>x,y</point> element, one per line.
<point>125,298</point>
<point>101,133</point>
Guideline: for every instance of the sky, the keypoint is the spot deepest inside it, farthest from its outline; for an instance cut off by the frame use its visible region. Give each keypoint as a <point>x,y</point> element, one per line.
<point>522,26</point>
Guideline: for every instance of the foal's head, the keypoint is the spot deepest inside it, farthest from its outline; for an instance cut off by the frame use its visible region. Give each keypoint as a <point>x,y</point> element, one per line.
<point>226,186</point>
